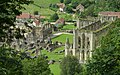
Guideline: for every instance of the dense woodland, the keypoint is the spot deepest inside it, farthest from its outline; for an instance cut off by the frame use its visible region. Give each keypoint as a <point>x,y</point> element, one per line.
<point>106,58</point>
<point>92,7</point>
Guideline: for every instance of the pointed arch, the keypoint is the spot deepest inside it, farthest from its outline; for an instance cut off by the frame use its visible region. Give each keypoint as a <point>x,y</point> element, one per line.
<point>79,41</point>
<point>88,43</point>
<point>83,40</point>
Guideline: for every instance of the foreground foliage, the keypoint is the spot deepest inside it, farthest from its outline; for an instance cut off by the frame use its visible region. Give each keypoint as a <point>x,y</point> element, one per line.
<point>106,59</point>
<point>10,59</point>
<point>8,11</point>
<point>10,63</point>
<point>36,66</point>
<point>70,66</point>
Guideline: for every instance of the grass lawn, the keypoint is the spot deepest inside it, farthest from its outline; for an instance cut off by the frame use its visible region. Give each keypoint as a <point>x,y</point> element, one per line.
<point>62,38</point>
<point>55,68</point>
<point>45,3</point>
<point>66,16</point>
<point>42,11</point>
<point>53,55</point>
<point>68,27</point>
<point>42,6</point>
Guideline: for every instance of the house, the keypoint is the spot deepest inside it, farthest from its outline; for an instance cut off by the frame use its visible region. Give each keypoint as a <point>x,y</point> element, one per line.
<point>80,8</point>
<point>109,13</point>
<point>60,21</point>
<point>29,16</point>
<point>24,16</point>
<point>61,6</point>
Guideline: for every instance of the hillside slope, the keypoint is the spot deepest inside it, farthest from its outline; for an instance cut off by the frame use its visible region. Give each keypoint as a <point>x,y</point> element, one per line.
<point>42,6</point>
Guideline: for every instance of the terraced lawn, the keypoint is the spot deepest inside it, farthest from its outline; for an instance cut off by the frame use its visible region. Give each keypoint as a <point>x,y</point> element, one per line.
<point>54,56</point>
<point>55,69</point>
<point>42,6</point>
<point>62,38</point>
<point>45,3</point>
<point>68,27</point>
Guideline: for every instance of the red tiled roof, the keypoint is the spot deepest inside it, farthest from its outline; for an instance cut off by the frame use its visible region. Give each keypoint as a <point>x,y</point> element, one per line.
<point>24,16</point>
<point>27,16</point>
<point>110,14</point>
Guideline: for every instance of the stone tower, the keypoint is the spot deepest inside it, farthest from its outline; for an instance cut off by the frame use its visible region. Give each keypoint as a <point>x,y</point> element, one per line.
<point>67,47</point>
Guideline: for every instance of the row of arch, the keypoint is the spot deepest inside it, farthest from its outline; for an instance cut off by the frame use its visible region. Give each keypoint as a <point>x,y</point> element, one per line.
<point>83,42</point>
<point>84,47</point>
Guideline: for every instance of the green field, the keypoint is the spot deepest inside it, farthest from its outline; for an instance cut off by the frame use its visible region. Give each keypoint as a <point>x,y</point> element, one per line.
<point>55,69</point>
<point>42,6</point>
<point>45,3</point>
<point>66,16</point>
<point>68,27</point>
<point>62,38</point>
<point>52,55</point>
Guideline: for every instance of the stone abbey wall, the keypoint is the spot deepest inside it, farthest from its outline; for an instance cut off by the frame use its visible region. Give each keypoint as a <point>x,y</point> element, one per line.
<point>86,37</point>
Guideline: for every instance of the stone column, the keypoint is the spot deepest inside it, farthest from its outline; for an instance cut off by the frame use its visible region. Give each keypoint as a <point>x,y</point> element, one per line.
<point>78,23</point>
<point>80,56</point>
<point>92,43</point>
<point>75,41</point>
<point>86,43</point>
<point>81,48</point>
<point>67,47</point>
<point>85,55</point>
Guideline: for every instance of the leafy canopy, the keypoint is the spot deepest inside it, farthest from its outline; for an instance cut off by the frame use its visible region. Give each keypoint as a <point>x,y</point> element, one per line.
<point>106,59</point>
<point>36,66</point>
<point>70,66</point>
<point>10,63</point>
<point>8,11</point>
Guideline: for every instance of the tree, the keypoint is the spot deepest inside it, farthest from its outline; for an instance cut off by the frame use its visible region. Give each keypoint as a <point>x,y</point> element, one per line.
<point>36,13</point>
<point>75,4</point>
<point>10,64</point>
<point>8,11</point>
<point>54,17</point>
<point>61,1</point>
<point>68,9</point>
<point>106,58</point>
<point>36,66</point>
<point>67,1</point>
<point>70,66</point>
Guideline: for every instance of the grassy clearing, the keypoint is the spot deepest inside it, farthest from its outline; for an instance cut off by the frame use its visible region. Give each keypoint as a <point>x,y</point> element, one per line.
<point>68,27</point>
<point>53,55</point>
<point>45,3</point>
<point>55,68</point>
<point>42,6</point>
<point>42,11</point>
<point>62,38</point>
<point>58,49</point>
<point>66,16</point>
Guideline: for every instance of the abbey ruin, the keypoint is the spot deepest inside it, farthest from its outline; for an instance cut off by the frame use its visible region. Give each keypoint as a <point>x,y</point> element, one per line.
<point>86,37</point>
